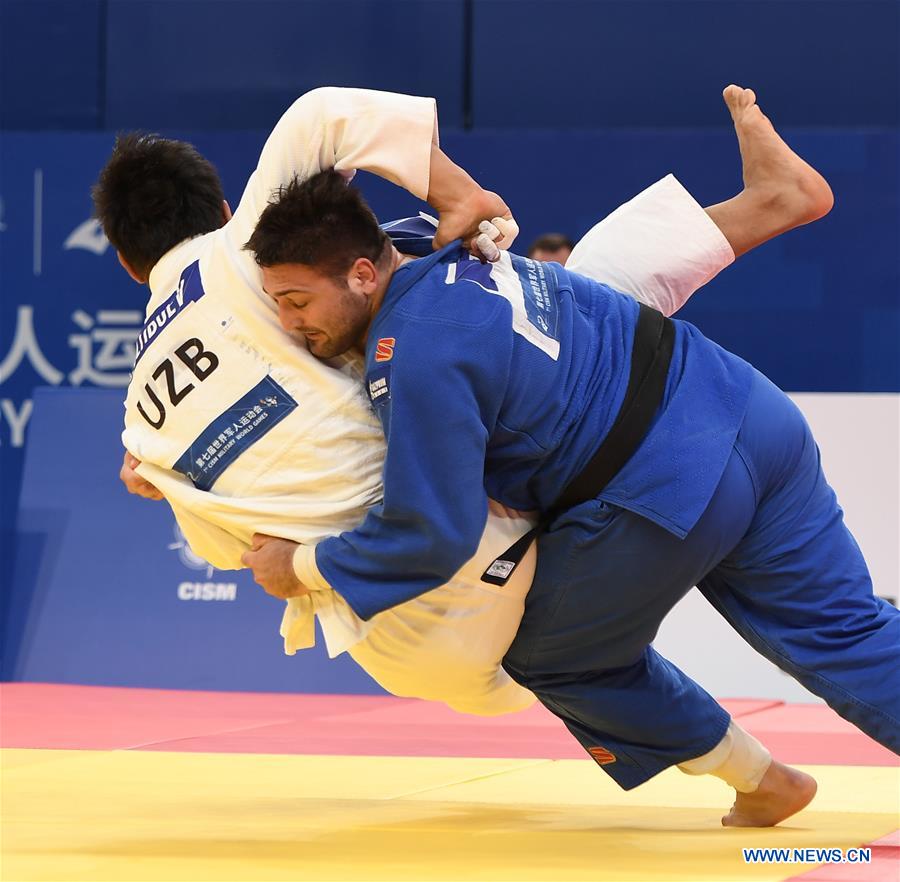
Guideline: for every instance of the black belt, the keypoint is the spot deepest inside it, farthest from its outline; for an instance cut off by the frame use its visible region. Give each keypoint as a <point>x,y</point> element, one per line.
<point>654,339</point>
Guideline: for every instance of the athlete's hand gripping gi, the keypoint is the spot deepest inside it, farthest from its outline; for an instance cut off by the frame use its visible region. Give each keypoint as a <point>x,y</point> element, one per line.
<point>465,211</point>
<point>272,562</point>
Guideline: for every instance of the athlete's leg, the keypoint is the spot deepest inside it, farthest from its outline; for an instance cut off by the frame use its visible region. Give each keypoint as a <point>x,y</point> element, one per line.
<point>662,246</point>
<point>605,579</point>
<point>659,247</point>
<point>797,587</point>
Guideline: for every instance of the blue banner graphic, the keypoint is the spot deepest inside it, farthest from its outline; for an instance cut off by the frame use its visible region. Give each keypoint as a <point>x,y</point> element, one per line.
<point>232,432</point>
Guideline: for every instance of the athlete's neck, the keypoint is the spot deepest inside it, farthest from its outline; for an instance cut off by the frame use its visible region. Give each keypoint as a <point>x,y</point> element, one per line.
<point>394,261</point>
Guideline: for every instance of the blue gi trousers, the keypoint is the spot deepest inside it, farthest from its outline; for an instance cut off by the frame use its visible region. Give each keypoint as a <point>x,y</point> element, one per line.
<point>773,556</point>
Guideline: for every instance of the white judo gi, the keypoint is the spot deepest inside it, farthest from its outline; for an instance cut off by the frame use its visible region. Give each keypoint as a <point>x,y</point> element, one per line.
<point>244,431</point>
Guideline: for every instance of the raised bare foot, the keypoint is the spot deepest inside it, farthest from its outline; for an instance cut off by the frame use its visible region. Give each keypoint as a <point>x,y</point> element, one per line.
<point>782,792</point>
<point>789,190</point>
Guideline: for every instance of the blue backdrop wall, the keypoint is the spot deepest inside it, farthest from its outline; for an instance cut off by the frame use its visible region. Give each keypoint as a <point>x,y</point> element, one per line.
<point>94,64</point>
<point>567,107</point>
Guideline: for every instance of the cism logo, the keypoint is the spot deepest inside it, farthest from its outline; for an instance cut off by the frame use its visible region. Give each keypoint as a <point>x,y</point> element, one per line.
<point>199,590</point>
<point>207,591</point>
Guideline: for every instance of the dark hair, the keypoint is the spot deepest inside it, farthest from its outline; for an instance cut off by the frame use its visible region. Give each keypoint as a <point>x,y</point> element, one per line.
<point>154,193</point>
<point>551,242</point>
<point>320,222</point>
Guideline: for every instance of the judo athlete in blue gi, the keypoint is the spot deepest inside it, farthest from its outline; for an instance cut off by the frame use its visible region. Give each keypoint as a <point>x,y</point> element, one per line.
<point>503,381</point>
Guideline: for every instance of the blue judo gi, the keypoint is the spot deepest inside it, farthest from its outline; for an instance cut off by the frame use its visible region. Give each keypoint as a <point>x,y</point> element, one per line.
<point>503,380</point>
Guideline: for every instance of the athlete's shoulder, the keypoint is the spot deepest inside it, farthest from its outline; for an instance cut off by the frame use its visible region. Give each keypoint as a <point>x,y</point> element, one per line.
<point>434,291</point>
<point>440,310</point>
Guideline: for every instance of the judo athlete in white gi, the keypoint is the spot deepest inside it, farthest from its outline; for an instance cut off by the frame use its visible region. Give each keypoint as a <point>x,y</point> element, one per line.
<point>251,432</point>
<point>254,434</point>
<point>502,380</point>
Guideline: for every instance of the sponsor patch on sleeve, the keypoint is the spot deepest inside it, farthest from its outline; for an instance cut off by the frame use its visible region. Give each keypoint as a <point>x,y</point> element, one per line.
<point>378,385</point>
<point>384,349</point>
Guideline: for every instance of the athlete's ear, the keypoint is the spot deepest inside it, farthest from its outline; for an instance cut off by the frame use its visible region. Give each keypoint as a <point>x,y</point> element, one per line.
<point>131,270</point>
<point>363,276</point>
<point>226,211</point>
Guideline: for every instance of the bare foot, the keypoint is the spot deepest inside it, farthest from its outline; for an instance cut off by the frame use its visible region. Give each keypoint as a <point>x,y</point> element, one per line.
<point>782,792</point>
<point>793,191</point>
<point>781,191</point>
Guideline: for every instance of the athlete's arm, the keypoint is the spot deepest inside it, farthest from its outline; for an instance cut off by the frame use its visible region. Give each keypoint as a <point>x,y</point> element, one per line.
<point>437,398</point>
<point>463,206</point>
<point>391,135</point>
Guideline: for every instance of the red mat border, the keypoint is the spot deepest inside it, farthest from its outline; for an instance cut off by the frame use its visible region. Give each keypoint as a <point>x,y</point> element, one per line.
<point>62,716</point>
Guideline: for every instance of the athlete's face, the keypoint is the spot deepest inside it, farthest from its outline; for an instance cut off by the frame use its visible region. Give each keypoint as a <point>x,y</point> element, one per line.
<point>331,315</point>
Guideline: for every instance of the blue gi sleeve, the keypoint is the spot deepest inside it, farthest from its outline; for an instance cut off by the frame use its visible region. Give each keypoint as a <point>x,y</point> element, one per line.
<point>438,397</point>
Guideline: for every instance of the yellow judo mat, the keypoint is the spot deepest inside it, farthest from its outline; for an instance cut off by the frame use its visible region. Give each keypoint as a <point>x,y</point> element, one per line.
<point>117,815</point>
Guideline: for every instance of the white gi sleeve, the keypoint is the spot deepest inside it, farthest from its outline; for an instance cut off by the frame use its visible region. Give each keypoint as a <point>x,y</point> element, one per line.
<point>307,570</point>
<point>384,133</point>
